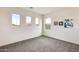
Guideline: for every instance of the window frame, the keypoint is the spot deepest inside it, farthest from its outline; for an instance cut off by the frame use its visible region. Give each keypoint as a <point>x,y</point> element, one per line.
<point>27,21</point>
<point>48,24</point>
<point>16,19</point>
<point>37,21</point>
<point>49,18</point>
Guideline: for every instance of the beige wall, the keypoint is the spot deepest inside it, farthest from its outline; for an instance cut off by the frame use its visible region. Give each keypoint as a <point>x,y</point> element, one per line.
<point>10,34</point>
<point>59,32</point>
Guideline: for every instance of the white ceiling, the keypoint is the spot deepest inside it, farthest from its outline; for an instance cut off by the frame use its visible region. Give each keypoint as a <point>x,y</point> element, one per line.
<point>43,10</point>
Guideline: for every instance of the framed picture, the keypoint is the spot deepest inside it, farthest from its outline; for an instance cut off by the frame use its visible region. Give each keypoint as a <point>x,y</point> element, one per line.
<point>68,23</point>
<point>60,23</point>
<point>55,22</point>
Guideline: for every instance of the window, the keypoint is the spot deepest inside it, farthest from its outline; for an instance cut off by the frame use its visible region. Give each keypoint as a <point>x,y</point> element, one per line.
<point>48,23</point>
<point>37,21</point>
<point>28,19</point>
<point>15,19</point>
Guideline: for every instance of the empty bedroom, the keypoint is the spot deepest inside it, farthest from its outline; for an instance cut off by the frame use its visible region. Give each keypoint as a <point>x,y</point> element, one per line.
<point>39,29</point>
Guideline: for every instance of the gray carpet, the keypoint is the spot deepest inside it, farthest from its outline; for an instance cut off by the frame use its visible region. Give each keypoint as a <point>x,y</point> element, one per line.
<point>41,44</point>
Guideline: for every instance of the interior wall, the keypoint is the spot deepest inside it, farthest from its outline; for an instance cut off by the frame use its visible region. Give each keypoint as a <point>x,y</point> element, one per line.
<point>10,33</point>
<point>59,32</point>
